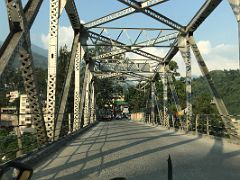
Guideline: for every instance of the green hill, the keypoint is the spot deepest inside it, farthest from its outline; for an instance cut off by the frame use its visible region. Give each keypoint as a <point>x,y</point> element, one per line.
<point>227,83</point>
<point>39,57</point>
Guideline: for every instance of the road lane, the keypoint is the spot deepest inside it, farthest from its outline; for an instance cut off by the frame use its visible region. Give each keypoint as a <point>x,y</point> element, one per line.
<point>136,151</point>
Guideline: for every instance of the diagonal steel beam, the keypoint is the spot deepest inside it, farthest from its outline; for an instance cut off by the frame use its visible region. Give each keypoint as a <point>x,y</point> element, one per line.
<point>120,14</point>
<point>13,40</point>
<point>109,41</point>
<point>207,8</point>
<point>18,23</point>
<point>222,109</point>
<point>55,13</point>
<point>130,73</point>
<point>107,75</point>
<point>173,91</point>
<point>85,83</point>
<point>77,78</point>
<point>127,66</point>
<point>73,16</point>
<point>65,93</point>
<point>148,43</point>
<point>155,15</point>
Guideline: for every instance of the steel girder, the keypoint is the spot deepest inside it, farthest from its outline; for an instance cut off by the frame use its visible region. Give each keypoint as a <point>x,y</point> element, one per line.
<point>73,16</point>
<point>200,16</point>
<point>86,110</point>
<point>18,23</point>
<point>78,58</point>
<point>92,103</point>
<point>106,75</point>
<point>155,15</point>
<point>85,83</point>
<point>235,4</point>
<point>122,74</point>
<point>56,8</point>
<point>121,13</point>
<point>134,67</point>
<point>86,102</point>
<point>60,115</point>
<point>52,66</point>
<point>125,48</point>
<point>110,41</point>
<point>165,98</point>
<point>230,126</point>
<point>207,8</point>
<point>15,38</point>
<point>173,91</point>
<point>152,103</point>
<point>186,55</point>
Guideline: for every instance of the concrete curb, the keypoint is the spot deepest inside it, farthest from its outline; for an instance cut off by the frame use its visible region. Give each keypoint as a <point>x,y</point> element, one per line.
<point>35,157</point>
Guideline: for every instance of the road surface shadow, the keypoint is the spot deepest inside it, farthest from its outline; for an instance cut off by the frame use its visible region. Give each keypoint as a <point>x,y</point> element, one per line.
<point>193,167</point>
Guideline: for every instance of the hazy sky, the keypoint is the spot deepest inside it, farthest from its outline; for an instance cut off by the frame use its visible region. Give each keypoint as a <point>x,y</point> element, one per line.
<point>217,36</point>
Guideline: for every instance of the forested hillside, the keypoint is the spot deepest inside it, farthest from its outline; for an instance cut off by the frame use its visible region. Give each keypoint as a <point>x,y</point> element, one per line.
<point>227,83</point>
<point>228,86</point>
<point>39,57</point>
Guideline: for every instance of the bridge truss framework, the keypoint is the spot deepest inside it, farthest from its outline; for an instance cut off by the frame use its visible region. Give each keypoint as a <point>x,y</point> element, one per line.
<point>112,64</point>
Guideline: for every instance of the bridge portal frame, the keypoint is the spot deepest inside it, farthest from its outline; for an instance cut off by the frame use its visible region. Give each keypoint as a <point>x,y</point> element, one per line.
<point>19,39</point>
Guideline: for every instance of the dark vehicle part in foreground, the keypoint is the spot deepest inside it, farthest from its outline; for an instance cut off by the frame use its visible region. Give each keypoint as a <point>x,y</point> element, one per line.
<point>17,171</point>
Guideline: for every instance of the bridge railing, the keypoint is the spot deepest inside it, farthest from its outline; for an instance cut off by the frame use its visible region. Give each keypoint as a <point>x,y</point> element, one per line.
<point>19,139</point>
<point>209,124</point>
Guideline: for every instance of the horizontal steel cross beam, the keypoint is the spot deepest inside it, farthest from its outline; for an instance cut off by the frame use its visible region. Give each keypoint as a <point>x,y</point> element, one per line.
<point>120,14</point>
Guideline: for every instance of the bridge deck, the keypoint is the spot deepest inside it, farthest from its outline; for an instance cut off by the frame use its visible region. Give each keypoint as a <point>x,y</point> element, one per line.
<point>136,151</point>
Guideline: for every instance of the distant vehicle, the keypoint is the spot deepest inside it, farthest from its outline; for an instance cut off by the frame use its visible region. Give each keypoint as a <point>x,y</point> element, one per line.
<point>107,117</point>
<point>119,116</point>
<point>125,110</point>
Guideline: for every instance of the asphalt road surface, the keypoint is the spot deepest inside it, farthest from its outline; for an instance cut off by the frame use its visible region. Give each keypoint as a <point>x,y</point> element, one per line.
<point>136,151</point>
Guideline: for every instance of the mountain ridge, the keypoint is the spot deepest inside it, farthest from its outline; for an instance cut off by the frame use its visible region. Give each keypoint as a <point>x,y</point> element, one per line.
<point>39,57</point>
<point>227,83</point>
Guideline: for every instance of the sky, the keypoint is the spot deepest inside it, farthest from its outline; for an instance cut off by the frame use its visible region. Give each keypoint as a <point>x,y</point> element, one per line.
<point>217,37</point>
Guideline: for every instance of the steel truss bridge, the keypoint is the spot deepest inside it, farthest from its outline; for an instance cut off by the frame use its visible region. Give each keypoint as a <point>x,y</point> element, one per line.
<point>172,36</point>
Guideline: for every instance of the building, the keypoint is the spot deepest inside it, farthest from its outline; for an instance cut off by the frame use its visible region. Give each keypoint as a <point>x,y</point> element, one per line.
<point>24,111</point>
<point>120,106</point>
<point>25,117</point>
<point>8,116</point>
<point>13,95</point>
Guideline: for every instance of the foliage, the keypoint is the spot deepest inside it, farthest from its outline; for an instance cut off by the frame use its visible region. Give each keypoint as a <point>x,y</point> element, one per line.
<point>9,144</point>
<point>8,147</point>
<point>62,68</point>
<point>29,142</point>
<point>227,84</point>
<point>105,89</point>
<point>136,99</point>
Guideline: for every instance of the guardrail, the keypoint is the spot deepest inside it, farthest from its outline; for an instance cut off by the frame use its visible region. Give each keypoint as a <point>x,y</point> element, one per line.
<point>14,142</point>
<point>209,124</point>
